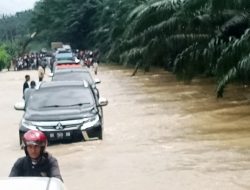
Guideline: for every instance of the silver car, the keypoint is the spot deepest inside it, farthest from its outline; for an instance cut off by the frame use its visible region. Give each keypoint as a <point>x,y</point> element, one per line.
<point>31,183</point>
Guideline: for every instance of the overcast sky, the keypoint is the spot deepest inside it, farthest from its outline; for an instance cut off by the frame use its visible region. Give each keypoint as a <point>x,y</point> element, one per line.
<point>13,6</point>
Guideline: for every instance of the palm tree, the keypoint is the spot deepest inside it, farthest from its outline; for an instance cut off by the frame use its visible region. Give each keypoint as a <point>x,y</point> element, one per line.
<point>191,36</point>
<point>187,37</point>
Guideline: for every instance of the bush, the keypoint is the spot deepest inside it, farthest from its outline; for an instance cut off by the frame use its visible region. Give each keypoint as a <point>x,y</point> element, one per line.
<point>4,58</point>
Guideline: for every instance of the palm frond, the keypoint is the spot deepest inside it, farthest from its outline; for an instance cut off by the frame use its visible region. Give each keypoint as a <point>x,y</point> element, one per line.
<point>231,55</point>
<point>193,5</point>
<point>189,63</point>
<point>161,30</point>
<point>244,69</point>
<point>134,13</point>
<point>244,64</point>
<point>152,15</point>
<point>182,41</point>
<point>231,74</point>
<point>217,6</point>
<point>211,53</point>
<point>241,72</point>
<point>236,25</point>
<point>132,56</point>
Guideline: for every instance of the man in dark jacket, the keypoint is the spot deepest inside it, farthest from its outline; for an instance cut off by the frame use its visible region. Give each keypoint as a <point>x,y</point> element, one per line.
<point>37,162</point>
<point>29,91</point>
<point>26,83</point>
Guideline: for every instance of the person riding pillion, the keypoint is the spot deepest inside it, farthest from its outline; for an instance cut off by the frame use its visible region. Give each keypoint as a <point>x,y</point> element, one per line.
<point>37,161</point>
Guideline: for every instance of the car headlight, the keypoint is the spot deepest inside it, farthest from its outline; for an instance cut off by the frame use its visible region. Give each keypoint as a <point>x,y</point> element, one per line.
<point>89,122</point>
<point>28,124</point>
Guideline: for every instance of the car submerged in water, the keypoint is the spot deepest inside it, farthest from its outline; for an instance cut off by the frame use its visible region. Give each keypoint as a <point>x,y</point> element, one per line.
<point>64,111</point>
<point>62,65</point>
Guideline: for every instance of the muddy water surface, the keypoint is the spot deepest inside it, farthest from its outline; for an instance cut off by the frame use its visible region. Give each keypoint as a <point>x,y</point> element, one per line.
<point>158,134</point>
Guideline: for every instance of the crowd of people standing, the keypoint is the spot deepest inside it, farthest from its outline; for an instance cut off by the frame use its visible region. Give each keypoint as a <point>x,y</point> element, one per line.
<point>89,58</point>
<point>28,61</point>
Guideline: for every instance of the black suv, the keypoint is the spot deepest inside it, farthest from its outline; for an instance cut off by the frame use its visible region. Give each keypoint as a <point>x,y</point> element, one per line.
<point>64,110</point>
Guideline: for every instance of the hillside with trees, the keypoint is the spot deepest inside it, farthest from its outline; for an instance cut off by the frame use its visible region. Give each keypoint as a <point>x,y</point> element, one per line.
<point>14,33</point>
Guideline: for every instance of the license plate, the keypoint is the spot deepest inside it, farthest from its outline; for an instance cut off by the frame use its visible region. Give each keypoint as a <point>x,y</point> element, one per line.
<point>60,135</point>
<point>67,134</point>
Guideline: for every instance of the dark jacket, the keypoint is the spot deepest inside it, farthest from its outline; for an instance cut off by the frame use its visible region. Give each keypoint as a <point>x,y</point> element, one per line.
<point>47,166</point>
<point>25,85</point>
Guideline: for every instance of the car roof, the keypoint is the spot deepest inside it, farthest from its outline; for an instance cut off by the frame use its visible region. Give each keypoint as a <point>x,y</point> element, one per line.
<point>73,75</point>
<point>34,183</point>
<point>49,84</point>
<point>58,62</point>
<point>72,70</point>
<point>69,69</point>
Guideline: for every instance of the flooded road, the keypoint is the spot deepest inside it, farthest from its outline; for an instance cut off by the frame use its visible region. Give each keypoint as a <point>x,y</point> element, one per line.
<point>158,134</point>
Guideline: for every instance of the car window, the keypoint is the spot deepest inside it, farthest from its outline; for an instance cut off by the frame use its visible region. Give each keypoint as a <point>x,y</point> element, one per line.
<point>60,97</point>
<point>63,56</point>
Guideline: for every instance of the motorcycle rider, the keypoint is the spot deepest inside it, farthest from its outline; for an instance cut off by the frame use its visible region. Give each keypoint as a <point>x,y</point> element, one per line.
<point>37,161</point>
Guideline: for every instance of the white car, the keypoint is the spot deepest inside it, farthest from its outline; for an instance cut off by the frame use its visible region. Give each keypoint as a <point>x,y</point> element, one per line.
<point>31,183</point>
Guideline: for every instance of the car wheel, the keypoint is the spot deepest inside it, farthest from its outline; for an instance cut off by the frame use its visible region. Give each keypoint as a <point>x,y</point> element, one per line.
<point>100,136</point>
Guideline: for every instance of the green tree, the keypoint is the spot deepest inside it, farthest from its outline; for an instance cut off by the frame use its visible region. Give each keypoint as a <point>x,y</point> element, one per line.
<point>4,58</point>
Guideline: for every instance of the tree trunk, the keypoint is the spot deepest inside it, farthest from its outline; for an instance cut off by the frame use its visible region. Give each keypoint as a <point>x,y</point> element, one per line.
<point>136,69</point>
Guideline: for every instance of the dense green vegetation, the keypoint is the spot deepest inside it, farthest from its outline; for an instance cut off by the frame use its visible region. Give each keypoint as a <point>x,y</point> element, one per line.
<point>14,35</point>
<point>4,58</point>
<point>187,37</point>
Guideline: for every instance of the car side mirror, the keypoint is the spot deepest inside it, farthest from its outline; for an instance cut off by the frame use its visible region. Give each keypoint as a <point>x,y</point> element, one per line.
<point>97,81</point>
<point>103,101</point>
<point>19,105</point>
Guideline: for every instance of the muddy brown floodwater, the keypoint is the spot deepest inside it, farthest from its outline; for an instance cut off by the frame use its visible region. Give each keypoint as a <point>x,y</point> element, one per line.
<point>158,134</point>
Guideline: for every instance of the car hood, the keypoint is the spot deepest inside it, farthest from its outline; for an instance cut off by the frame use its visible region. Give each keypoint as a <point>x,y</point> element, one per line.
<point>59,114</point>
<point>34,183</point>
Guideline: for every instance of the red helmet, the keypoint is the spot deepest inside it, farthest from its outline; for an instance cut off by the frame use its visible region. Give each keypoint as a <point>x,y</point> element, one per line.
<point>35,137</point>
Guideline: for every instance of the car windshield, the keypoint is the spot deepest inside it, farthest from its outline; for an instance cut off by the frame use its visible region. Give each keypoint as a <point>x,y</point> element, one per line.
<point>64,56</point>
<point>60,97</point>
<point>77,76</point>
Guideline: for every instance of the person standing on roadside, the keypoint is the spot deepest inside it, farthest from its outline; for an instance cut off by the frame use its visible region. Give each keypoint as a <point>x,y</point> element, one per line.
<point>40,73</point>
<point>26,83</point>
<point>96,56</point>
<point>95,67</point>
<point>28,91</point>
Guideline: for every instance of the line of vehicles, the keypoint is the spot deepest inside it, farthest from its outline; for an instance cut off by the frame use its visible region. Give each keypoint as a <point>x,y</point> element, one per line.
<point>67,108</point>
